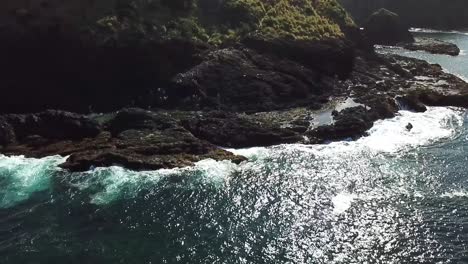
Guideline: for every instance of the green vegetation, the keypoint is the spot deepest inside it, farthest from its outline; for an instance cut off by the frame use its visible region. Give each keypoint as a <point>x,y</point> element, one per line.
<point>220,21</point>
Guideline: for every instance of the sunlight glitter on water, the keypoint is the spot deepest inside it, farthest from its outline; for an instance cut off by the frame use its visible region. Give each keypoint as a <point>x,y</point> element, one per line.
<point>372,200</point>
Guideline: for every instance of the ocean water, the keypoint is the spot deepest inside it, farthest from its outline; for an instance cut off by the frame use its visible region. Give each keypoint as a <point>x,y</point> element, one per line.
<point>456,65</point>
<point>396,196</point>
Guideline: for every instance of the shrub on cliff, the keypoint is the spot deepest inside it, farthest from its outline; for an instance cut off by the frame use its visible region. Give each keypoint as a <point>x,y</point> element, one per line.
<point>217,21</point>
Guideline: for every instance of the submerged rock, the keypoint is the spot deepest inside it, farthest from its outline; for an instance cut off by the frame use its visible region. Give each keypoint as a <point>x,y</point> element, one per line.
<point>386,28</point>
<point>434,46</point>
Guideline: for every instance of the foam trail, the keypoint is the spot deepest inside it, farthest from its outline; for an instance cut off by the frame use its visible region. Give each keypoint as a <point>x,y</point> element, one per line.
<point>427,30</point>
<point>121,183</point>
<point>455,194</point>
<point>347,168</point>
<point>20,177</point>
<point>389,135</point>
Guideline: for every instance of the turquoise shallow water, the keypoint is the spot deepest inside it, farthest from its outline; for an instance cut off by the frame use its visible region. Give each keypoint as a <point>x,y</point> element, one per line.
<point>457,65</point>
<point>392,197</point>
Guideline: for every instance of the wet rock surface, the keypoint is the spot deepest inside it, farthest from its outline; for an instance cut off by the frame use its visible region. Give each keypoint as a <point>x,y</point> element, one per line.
<point>134,138</point>
<point>433,46</point>
<point>236,98</point>
<point>131,97</point>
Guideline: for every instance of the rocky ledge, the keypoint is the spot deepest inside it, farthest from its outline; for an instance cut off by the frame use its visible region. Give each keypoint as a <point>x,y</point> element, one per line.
<point>331,109</point>
<point>434,46</point>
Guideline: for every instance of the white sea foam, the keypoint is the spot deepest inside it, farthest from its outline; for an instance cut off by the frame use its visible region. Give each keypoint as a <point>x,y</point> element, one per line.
<point>120,183</point>
<point>455,194</point>
<point>427,30</point>
<point>348,169</point>
<point>342,202</point>
<point>389,135</point>
<point>21,177</point>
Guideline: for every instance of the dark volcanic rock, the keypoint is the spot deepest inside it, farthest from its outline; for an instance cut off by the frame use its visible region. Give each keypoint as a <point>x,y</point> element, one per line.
<point>53,124</point>
<point>386,28</point>
<point>231,130</point>
<point>350,123</point>
<point>133,138</point>
<point>435,98</point>
<point>244,80</point>
<point>411,102</point>
<point>328,57</point>
<point>7,132</point>
<point>139,119</point>
<point>139,139</point>
<point>433,46</point>
<point>73,73</point>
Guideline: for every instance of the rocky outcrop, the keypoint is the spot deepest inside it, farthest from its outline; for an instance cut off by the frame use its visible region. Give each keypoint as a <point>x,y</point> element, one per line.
<point>60,73</point>
<point>238,131</point>
<point>133,138</point>
<point>434,46</point>
<point>449,14</point>
<point>53,124</point>
<point>243,80</point>
<point>190,96</point>
<point>146,140</point>
<point>73,55</point>
<point>386,28</point>
<point>328,57</point>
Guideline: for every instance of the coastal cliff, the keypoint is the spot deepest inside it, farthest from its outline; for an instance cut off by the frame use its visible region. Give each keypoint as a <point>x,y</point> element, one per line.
<point>73,55</point>
<point>164,84</point>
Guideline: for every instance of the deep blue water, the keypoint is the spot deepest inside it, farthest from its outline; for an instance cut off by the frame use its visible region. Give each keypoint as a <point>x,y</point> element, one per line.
<point>396,196</point>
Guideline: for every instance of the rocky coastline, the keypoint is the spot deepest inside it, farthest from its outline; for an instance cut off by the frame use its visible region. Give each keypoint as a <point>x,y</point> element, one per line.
<point>387,28</point>
<point>433,46</point>
<point>448,15</point>
<point>166,103</point>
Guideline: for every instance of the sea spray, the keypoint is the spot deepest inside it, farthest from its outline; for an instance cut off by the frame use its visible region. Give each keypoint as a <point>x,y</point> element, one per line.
<point>106,185</point>
<point>349,169</point>
<point>344,202</point>
<point>20,177</point>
